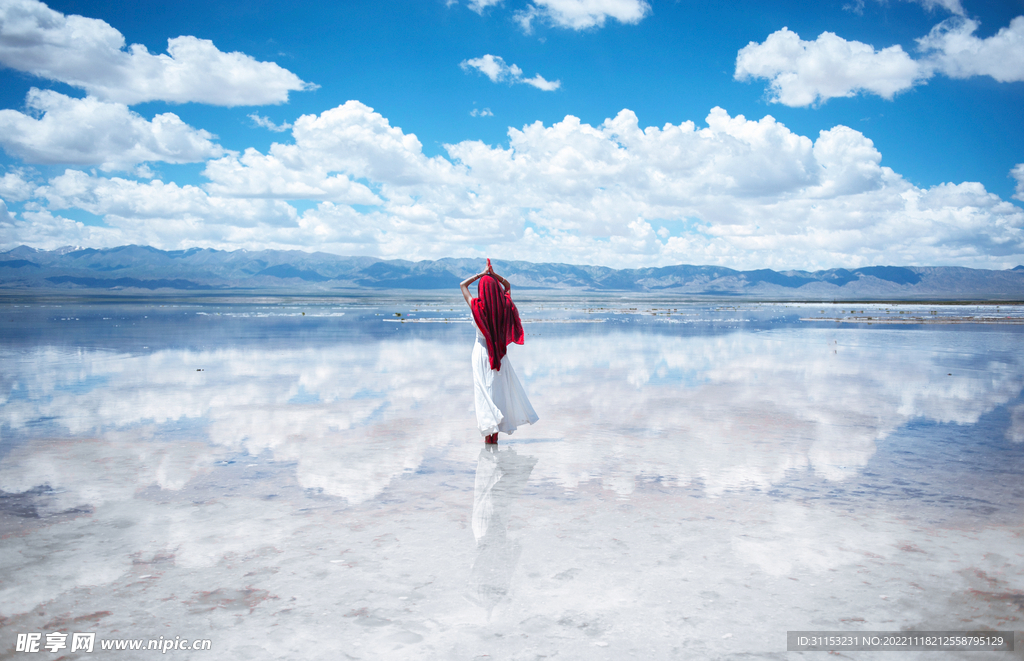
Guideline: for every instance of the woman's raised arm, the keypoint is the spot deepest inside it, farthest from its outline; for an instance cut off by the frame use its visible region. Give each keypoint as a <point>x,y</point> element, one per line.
<point>467,282</point>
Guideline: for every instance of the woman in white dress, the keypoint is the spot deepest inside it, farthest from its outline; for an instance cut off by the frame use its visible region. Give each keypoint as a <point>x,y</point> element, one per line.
<point>501,402</point>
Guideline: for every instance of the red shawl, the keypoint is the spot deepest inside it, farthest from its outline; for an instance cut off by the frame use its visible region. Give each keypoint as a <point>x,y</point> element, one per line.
<point>497,318</point>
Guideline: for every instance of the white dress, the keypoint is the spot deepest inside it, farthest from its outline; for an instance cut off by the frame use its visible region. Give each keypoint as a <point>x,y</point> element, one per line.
<point>501,402</point>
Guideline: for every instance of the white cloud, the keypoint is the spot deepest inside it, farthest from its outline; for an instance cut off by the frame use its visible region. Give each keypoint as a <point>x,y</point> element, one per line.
<point>351,139</point>
<point>158,213</point>
<point>480,5</point>
<point>540,83</point>
<point>92,132</point>
<point>801,73</point>
<point>90,54</point>
<point>805,72</point>
<point>525,17</point>
<point>495,68</point>
<point>738,192</point>
<point>485,112</point>
<point>952,6</point>
<point>1018,174</point>
<point>328,227</point>
<point>582,14</point>
<point>258,175</point>
<point>265,122</point>
<point>952,49</point>
<point>14,187</point>
<point>41,229</point>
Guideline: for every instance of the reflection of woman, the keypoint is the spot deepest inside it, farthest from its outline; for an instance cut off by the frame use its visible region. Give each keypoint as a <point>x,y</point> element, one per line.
<point>501,402</point>
<point>500,477</point>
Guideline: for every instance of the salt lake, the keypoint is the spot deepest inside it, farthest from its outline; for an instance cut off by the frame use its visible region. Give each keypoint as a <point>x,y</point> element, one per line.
<point>302,477</point>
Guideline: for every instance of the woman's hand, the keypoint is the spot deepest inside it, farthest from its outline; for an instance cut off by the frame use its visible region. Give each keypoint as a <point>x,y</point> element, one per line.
<point>488,271</point>
<point>464,286</point>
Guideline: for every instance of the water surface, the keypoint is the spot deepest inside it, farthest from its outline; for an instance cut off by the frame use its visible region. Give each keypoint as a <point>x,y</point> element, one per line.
<point>302,478</point>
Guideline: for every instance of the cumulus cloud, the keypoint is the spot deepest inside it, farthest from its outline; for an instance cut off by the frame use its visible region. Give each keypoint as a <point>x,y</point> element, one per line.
<point>124,199</point>
<point>90,54</point>
<point>14,187</point>
<point>152,213</point>
<point>582,14</point>
<point>331,228</point>
<point>41,229</point>
<point>495,68</point>
<point>1018,174</point>
<point>259,175</point>
<point>805,72</point>
<point>483,112</point>
<point>802,73</point>
<point>93,132</point>
<point>350,139</point>
<point>738,192</point>
<point>952,49</point>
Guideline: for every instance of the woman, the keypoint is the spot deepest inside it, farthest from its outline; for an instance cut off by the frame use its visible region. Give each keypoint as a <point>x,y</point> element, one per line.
<point>501,402</point>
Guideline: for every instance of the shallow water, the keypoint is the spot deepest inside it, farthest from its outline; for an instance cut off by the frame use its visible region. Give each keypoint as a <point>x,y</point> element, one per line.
<point>302,478</point>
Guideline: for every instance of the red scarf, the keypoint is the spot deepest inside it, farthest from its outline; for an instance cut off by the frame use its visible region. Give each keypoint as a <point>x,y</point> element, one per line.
<point>497,318</point>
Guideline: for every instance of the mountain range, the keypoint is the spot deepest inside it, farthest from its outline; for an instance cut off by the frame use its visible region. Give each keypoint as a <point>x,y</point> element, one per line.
<point>143,269</point>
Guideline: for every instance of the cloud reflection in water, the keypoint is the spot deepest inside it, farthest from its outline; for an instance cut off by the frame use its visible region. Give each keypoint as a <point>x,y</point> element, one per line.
<point>732,411</point>
<point>315,482</point>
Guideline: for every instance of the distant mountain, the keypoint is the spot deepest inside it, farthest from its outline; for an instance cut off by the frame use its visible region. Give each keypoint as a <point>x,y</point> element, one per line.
<point>143,269</point>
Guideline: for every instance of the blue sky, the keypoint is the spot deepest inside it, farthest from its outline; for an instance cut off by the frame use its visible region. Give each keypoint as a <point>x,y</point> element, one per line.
<point>784,135</point>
